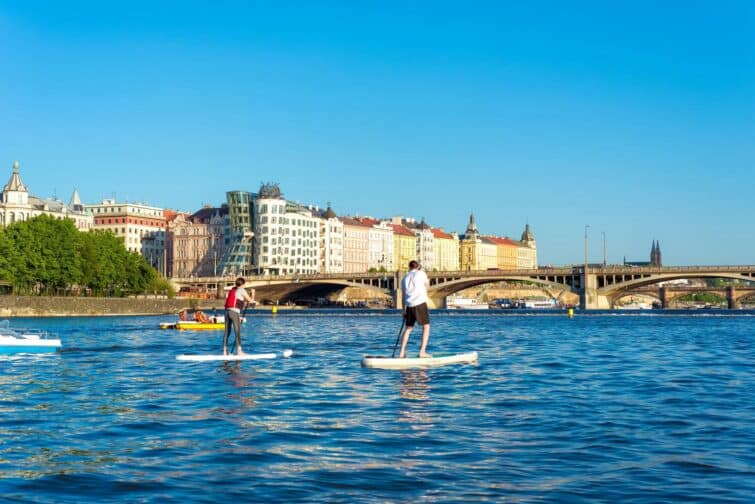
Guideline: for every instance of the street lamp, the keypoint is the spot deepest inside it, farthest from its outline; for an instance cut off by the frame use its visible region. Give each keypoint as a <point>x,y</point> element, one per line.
<point>586,226</point>
<point>604,249</point>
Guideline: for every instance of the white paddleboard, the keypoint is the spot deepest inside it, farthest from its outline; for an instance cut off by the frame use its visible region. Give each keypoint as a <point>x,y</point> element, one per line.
<point>371,361</point>
<point>233,357</point>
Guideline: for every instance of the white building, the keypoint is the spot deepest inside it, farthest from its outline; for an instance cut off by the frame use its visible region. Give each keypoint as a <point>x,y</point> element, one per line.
<point>425,238</point>
<point>141,227</point>
<point>379,244</point>
<point>286,235</point>
<point>331,243</point>
<point>16,205</point>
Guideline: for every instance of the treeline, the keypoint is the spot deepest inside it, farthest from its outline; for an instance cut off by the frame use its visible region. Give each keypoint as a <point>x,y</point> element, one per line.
<point>45,255</point>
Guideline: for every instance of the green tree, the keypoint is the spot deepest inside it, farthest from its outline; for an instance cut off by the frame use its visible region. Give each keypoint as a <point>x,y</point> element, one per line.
<point>46,257</point>
<point>49,255</point>
<point>103,257</point>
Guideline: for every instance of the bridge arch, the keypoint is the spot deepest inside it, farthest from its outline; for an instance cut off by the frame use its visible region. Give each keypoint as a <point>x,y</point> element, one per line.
<point>442,288</point>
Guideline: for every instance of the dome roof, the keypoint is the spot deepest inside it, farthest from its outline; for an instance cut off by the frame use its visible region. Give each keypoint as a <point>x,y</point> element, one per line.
<point>270,190</point>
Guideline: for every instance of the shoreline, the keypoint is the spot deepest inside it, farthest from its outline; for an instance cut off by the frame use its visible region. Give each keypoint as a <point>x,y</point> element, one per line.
<point>52,306</point>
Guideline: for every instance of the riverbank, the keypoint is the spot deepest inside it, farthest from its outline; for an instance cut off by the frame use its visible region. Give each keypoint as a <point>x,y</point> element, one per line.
<point>50,306</point>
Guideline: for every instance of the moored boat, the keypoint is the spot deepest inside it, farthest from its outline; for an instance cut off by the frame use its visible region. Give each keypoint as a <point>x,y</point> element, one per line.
<point>26,341</point>
<point>464,303</point>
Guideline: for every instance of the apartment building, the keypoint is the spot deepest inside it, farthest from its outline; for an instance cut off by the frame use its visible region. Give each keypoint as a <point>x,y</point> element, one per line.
<point>141,227</point>
<point>286,235</point>
<point>195,244</point>
<point>331,242</point>
<point>356,245</point>
<point>380,244</point>
<point>445,250</point>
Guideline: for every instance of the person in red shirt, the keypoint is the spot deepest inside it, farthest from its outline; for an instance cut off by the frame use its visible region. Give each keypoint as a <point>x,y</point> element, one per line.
<point>238,298</point>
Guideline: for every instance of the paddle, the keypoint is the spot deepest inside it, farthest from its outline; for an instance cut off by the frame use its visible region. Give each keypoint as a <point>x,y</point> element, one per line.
<point>403,319</point>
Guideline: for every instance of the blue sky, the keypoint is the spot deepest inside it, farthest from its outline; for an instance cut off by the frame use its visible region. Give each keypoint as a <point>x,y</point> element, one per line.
<point>636,118</point>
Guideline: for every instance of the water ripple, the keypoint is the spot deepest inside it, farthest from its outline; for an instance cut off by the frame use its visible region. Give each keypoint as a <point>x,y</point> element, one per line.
<point>599,408</point>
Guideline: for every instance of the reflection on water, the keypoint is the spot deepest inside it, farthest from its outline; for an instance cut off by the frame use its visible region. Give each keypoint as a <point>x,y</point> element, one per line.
<point>240,379</point>
<point>415,409</point>
<point>414,384</point>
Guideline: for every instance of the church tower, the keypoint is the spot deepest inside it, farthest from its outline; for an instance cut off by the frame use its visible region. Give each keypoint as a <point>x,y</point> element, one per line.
<point>655,255</point>
<point>527,237</point>
<point>471,233</point>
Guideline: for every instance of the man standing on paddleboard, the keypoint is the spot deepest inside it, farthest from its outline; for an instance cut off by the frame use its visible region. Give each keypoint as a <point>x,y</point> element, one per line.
<point>415,285</point>
<point>237,299</point>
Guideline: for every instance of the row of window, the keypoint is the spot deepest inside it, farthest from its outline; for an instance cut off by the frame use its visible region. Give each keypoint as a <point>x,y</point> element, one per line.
<point>293,241</point>
<point>289,261</point>
<point>125,220</point>
<point>286,231</point>
<point>156,213</point>
<point>287,251</point>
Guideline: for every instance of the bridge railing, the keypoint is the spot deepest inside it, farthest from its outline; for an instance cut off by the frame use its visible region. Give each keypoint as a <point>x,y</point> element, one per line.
<point>549,271</point>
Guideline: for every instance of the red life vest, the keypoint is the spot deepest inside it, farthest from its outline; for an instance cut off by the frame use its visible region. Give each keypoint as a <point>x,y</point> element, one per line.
<point>232,301</point>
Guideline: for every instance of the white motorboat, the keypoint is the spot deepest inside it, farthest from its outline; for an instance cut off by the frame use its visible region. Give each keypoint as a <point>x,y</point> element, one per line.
<point>26,341</point>
<point>464,303</point>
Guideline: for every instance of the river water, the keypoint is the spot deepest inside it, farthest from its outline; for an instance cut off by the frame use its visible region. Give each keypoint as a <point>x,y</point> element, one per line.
<point>599,408</point>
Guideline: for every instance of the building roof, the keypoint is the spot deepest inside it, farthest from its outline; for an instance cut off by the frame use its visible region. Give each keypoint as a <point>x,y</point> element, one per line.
<point>14,183</point>
<point>350,221</point>
<point>270,190</point>
<point>439,233</point>
<point>75,199</point>
<point>400,230</point>
<point>205,214</point>
<point>369,221</point>
<point>170,215</point>
<point>503,241</point>
<point>527,234</point>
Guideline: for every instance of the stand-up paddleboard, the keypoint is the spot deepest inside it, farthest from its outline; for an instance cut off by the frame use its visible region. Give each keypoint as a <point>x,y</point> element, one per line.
<point>371,361</point>
<point>233,357</point>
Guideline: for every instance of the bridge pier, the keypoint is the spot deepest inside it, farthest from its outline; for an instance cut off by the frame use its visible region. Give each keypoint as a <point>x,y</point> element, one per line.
<point>398,294</point>
<point>663,296</point>
<point>731,298</point>
<point>589,298</point>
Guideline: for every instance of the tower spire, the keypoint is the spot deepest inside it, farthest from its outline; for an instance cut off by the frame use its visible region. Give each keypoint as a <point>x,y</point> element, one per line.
<point>15,184</point>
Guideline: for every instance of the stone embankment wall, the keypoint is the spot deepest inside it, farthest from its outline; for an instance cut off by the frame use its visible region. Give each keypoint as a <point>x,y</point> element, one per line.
<point>44,306</point>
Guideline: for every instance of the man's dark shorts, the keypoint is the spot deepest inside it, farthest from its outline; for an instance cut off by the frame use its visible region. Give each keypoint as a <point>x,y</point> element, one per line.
<point>417,314</point>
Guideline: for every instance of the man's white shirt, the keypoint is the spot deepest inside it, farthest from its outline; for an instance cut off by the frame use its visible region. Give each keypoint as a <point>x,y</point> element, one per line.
<point>414,285</point>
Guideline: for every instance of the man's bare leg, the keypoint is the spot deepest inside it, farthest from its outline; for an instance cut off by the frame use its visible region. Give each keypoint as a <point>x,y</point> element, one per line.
<point>425,338</point>
<point>404,341</point>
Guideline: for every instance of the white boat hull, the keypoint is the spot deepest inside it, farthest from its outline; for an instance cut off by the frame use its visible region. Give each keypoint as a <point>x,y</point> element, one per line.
<point>28,343</point>
<point>375,362</point>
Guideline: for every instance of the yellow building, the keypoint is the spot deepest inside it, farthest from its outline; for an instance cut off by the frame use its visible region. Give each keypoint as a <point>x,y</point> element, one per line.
<point>489,252</point>
<point>445,251</point>
<point>507,253</point>
<point>475,252</point>
<point>404,247</point>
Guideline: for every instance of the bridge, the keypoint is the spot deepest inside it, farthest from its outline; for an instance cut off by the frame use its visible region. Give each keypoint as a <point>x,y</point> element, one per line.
<point>598,287</point>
